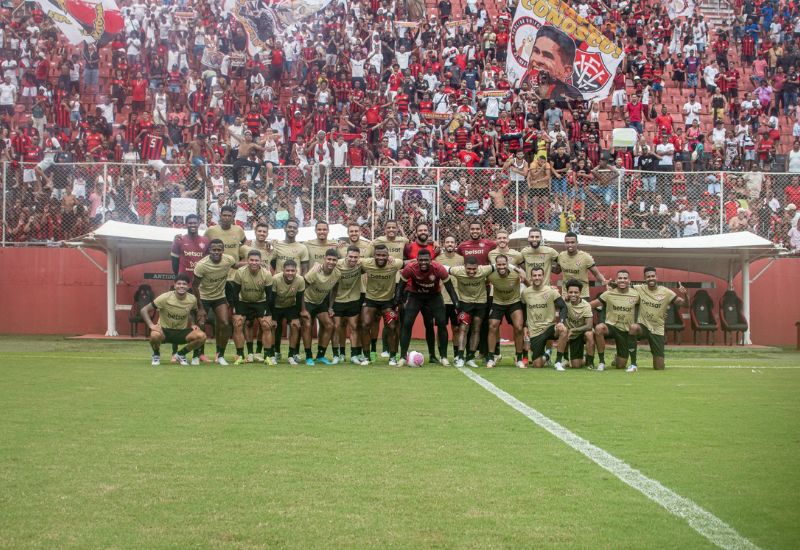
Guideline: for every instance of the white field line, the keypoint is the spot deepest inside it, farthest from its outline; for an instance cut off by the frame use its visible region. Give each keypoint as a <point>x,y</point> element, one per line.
<point>704,522</point>
<point>784,367</point>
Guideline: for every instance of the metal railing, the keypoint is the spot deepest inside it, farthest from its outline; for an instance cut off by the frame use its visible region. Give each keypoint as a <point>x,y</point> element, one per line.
<point>69,200</point>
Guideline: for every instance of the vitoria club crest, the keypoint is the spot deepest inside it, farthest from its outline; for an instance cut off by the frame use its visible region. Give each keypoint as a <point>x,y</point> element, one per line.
<point>590,74</point>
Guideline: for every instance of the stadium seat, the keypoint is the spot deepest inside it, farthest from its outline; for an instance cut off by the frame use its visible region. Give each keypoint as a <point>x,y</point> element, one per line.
<point>143,296</point>
<point>731,317</point>
<point>674,323</point>
<point>702,315</point>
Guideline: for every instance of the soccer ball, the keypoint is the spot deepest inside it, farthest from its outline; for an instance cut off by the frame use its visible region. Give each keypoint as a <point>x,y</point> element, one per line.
<point>415,359</point>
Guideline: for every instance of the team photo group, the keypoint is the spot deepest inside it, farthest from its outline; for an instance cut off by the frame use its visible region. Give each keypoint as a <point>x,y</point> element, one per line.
<point>361,291</point>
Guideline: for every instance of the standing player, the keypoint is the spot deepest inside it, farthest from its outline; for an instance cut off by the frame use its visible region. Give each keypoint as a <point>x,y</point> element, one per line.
<point>262,244</point>
<point>541,300</point>
<point>477,247</point>
<point>654,301</point>
<point>187,250</point>
<point>421,242</point>
<point>506,305</point>
<point>449,258</point>
<point>319,246</point>
<point>354,238</point>
<point>538,255</point>
<point>208,286</point>
<point>579,326</point>
<point>289,249</point>
<point>347,305</point>
<point>420,291</point>
<point>381,273</point>
<point>321,281</point>
<point>472,296</point>
<point>395,242</point>
<point>233,237</point>
<point>576,264</point>
<point>514,257</point>
<point>176,321</point>
<point>288,305</point>
<point>620,303</point>
<point>252,289</point>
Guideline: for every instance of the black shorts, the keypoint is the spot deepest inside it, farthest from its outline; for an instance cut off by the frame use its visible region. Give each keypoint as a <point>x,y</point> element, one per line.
<point>230,292</point>
<point>504,311</point>
<point>291,313</point>
<point>539,343</point>
<point>656,341</point>
<point>347,309</point>
<point>452,315</point>
<point>381,305</point>
<point>175,335</point>
<point>620,340</point>
<point>476,310</point>
<point>576,347</point>
<point>316,309</point>
<point>252,310</point>
<point>431,306</point>
<point>211,305</point>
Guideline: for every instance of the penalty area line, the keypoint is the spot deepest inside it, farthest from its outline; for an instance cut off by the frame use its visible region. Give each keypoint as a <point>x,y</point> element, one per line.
<point>701,520</point>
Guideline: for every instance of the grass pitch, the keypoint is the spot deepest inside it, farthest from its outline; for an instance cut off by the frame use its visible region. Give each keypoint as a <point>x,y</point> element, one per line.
<point>98,449</point>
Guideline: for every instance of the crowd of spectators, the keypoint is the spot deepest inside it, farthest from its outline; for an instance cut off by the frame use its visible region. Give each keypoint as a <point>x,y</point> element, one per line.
<point>319,121</point>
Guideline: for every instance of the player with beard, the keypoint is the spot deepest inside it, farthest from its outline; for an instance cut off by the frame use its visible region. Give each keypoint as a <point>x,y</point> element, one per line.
<point>422,241</point>
<point>252,286</point>
<point>187,250</point>
<point>620,301</point>
<point>653,305</point>
<point>538,255</point>
<point>262,244</point>
<point>381,271</point>
<point>289,249</point>
<point>321,281</point>
<point>208,286</point>
<point>347,305</point>
<point>316,255</point>
<point>541,300</point>
<point>472,297</point>
<point>579,326</point>
<point>419,291</point>
<point>449,258</point>
<point>506,305</point>
<point>576,264</point>
<point>477,247</point>
<point>395,244</point>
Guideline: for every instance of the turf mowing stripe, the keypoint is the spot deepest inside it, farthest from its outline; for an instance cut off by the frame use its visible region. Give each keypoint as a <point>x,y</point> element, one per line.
<point>701,520</point>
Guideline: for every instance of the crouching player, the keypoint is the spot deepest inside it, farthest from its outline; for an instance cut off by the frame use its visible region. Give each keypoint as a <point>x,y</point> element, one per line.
<point>579,326</point>
<point>541,301</point>
<point>176,321</point>
<point>252,292</point>
<point>654,302</point>
<point>620,301</point>
<point>506,305</point>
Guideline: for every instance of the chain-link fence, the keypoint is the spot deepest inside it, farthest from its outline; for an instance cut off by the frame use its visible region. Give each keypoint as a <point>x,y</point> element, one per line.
<point>52,202</point>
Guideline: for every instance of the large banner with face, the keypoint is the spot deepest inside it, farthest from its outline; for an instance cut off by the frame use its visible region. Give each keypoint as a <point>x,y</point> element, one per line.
<point>90,21</point>
<point>263,21</point>
<point>679,8</point>
<point>578,61</point>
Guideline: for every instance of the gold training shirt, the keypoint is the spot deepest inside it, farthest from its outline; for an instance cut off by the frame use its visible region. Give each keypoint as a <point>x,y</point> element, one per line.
<point>317,250</point>
<point>541,256</point>
<point>349,289</point>
<point>653,306</point>
<point>575,267</point>
<point>471,289</point>
<point>394,247</point>
<point>233,237</point>
<point>363,245</point>
<point>506,289</point>
<point>319,284</point>
<point>253,284</point>
<point>213,276</point>
<point>285,291</point>
<point>577,315</point>
<point>282,251</point>
<point>541,305</point>
<point>514,256</point>
<point>455,260</point>
<point>620,307</point>
<point>173,312</point>
<point>381,281</point>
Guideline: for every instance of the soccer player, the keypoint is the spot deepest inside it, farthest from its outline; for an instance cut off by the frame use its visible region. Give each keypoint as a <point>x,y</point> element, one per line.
<point>231,235</point>
<point>347,304</point>
<point>381,273</point>
<point>287,305</point>
<point>541,300</point>
<point>420,291</point>
<point>252,289</point>
<point>208,286</point>
<point>354,238</point>
<point>321,281</point>
<point>421,242</point>
<point>187,250</point>
<point>654,301</point>
<point>449,258</point>
<point>538,255</point>
<point>620,302</point>
<point>317,248</point>
<point>393,239</point>
<point>579,326</point>
<point>477,247</point>
<point>262,244</point>
<point>176,321</point>
<point>472,296</point>
<point>576,264</point>
<point>506,305</point>
<point>514,257</point>
<point>289,249</point>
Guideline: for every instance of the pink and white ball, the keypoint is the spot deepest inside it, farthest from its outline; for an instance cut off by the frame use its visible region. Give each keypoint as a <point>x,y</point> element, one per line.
<point>415,359</point>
